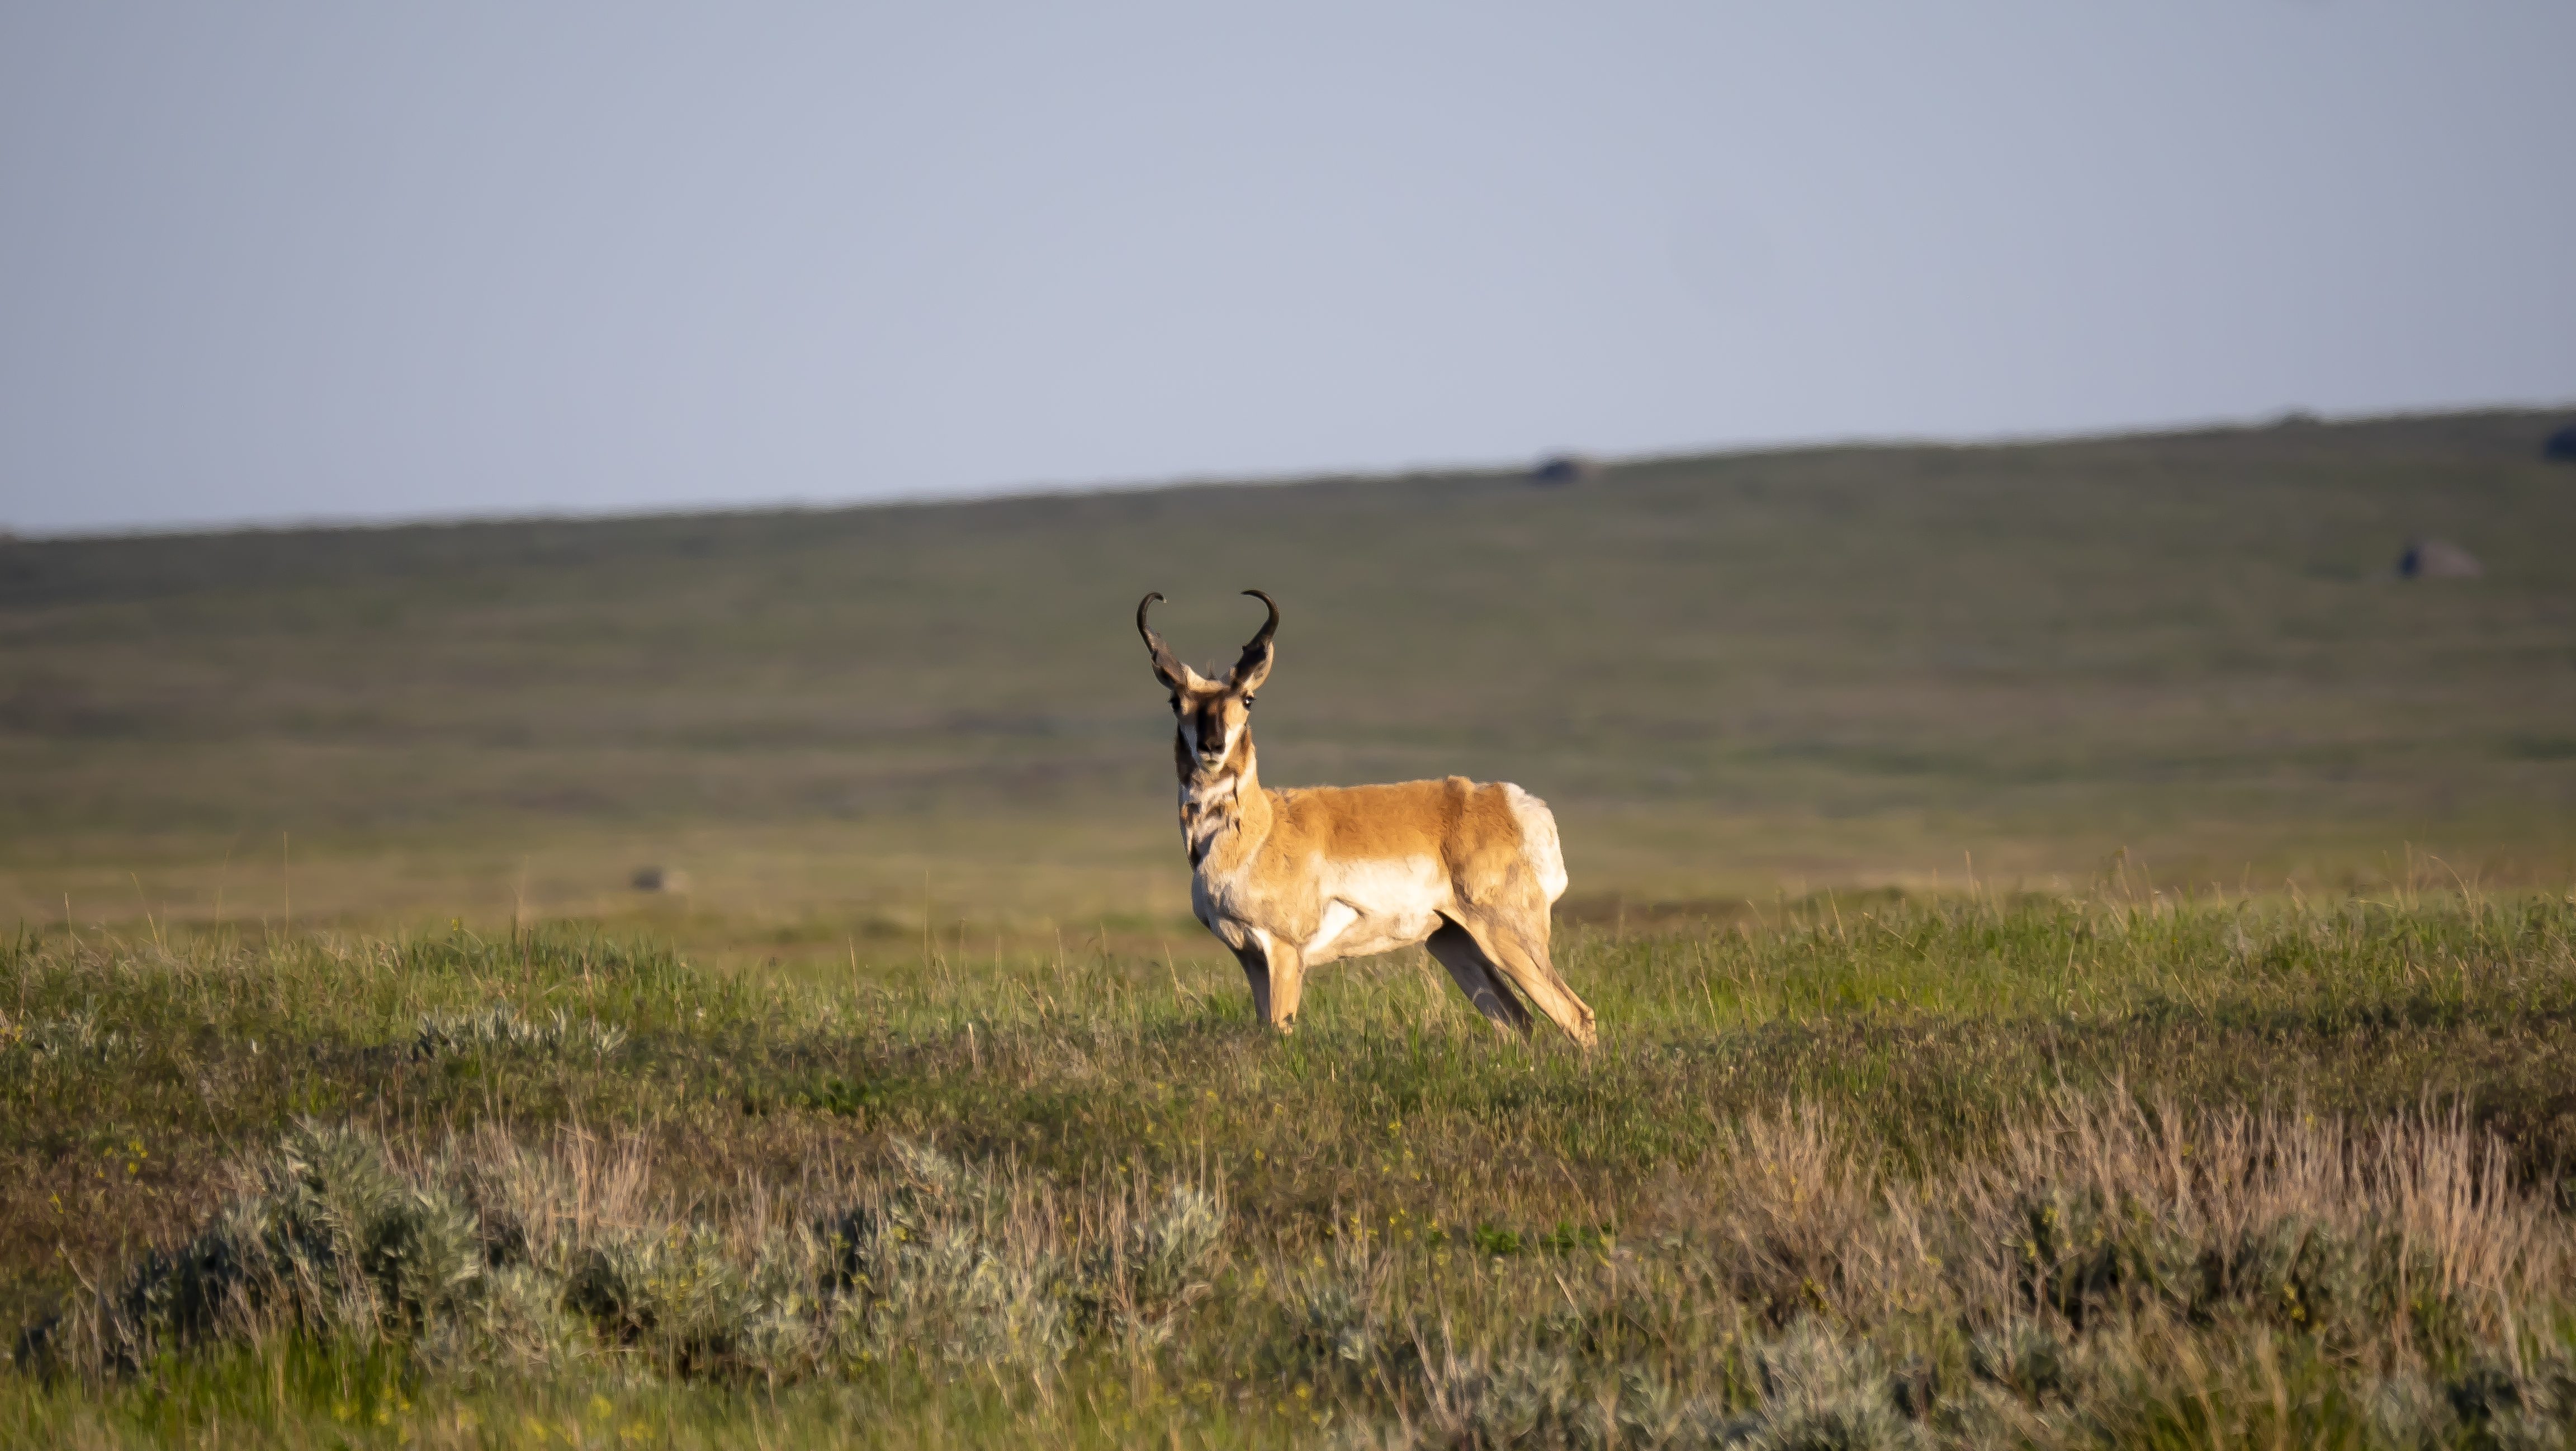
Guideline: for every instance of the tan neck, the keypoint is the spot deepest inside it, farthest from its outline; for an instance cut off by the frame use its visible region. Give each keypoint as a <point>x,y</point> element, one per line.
<point>1224,812</point>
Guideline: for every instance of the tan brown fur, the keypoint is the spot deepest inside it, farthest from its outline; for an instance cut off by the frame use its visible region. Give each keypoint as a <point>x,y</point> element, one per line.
<point>1290,879</point>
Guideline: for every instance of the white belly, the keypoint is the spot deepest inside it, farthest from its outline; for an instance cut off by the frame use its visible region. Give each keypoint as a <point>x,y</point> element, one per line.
<point>1377,906</point>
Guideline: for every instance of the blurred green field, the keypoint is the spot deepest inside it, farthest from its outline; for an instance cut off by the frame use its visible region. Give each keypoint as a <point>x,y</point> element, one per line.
<point>1732,676</point>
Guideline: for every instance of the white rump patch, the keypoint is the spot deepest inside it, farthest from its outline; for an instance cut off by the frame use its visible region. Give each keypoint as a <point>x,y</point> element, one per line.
<point>1538,839</point>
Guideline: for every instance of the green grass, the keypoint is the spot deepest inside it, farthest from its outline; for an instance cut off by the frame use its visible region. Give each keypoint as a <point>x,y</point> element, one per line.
<point>1801,1180</point>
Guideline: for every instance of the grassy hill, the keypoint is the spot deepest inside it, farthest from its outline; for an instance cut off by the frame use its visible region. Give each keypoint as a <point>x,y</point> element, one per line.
<point>350,1097</point>
<point>1730,674</point>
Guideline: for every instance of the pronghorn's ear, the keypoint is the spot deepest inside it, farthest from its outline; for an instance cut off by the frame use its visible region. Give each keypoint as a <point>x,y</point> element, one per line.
<point>1167,667</point>
<point>1254,667</point>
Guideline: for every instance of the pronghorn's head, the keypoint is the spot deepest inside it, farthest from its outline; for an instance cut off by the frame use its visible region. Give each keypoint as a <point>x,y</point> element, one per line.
<point>1213,717</point>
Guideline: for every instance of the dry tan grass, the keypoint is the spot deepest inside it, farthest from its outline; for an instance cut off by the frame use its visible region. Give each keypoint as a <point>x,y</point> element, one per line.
<point>2106,1263</point>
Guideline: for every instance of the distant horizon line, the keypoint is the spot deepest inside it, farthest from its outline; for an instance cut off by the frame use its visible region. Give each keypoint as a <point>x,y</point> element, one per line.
<point>331,523</point>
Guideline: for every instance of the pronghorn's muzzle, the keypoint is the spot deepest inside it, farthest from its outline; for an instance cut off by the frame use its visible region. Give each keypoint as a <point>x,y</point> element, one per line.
<point>1208,737</point>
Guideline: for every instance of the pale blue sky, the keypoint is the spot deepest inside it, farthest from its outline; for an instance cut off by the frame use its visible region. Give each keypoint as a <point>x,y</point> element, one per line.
<point>267,261</point>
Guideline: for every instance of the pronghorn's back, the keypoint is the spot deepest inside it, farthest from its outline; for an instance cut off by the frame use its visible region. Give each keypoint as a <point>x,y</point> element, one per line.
<point>1495,843</point>
<point>1493,834</point>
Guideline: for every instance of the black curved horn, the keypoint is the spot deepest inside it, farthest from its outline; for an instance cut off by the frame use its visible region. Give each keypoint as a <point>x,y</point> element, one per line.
<point>1256,652</point>
<point>1167,667</point>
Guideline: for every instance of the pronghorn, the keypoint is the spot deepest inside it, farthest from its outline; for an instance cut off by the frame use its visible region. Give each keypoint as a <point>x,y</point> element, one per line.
<point>1290,879</point>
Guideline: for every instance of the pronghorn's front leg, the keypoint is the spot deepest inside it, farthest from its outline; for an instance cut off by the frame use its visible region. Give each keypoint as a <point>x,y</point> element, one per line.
<point>1277,974</point>
<point>1287,985</point>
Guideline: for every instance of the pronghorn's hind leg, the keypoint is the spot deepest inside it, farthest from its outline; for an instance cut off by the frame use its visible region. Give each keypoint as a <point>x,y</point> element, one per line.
<point>1476,976</point>
<point>1522,959</point>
